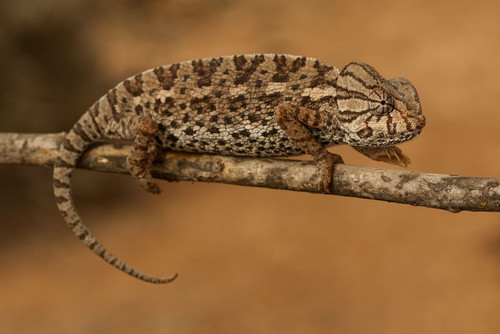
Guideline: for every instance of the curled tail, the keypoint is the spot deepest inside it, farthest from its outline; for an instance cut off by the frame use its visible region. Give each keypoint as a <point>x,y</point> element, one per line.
<point>76,142</point>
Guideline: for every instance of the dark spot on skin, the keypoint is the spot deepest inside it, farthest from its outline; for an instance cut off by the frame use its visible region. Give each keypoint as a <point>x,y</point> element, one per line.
<point>134,86</point>
<point>138,109</point>
<point>282,73</point>
<point>182,90</point>
<point>239,62</point>
<point>221,142</point>
<point>213,129</point>
<point>60,184</point>
<point>238,103</point>
<point>182,106</point>
<point>69,147</point>
<point>95,110</point>
<point>81,133</point>
<point>297,64</point>
<point>235,135</point>
<point>189,131</point>
<point>228,120</point>
<point>165,76</point>
<point>253,118</point>
<point>169,102</point>
<point>305,101</point>
<point>366,132</point>
<point>204,81</point>
<point>172,138</point>
<point>199,123</point>
<point>204,72</point>
<point>61,199</point>
<point>161,127</point>
<point>245,133</point>
<point>174,124</point>
<point>317,119</point>
<point>186,118</point>
<point>214,119</point>
<point>274,96</point>
<point>247,71</point>
<point>319,78</point>
<point>112,99</point>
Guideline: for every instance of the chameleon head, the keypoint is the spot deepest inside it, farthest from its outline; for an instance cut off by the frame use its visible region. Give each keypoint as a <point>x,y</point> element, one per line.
<point>374,111</point>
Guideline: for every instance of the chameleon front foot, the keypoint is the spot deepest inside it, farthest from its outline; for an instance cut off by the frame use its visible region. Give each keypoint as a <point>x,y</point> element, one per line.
<point>325,170</point>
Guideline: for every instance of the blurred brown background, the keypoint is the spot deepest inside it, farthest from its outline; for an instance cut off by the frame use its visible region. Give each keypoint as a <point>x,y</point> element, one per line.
<point>250,260</point>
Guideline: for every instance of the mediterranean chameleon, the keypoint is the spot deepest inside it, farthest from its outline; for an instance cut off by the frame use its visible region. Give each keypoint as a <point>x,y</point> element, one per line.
<point>256,105</point>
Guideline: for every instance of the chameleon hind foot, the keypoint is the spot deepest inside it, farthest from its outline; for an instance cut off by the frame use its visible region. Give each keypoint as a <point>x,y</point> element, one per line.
<point>143,152</point>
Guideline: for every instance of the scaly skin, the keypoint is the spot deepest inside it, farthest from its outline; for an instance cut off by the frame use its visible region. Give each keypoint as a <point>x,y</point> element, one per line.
<point>247,105</point>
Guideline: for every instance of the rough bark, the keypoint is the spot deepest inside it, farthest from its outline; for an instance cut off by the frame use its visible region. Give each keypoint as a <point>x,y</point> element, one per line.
<point>448,192</point>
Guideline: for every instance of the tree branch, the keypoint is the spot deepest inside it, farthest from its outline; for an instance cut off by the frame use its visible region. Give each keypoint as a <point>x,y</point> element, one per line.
<point>452,193</point>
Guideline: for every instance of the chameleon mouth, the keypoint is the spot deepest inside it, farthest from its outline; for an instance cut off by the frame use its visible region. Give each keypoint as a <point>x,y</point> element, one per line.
<point>414,124</point>
<point>420,123</point>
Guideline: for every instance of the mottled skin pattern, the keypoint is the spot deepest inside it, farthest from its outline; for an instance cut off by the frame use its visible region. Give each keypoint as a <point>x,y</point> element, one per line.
<point>246,105</point>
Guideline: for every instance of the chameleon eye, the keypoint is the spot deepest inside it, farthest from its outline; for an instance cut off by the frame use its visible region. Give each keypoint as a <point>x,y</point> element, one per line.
<point>381,102</point>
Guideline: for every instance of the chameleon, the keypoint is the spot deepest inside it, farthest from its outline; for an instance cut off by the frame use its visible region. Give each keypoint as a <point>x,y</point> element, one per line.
<point>254,105</point>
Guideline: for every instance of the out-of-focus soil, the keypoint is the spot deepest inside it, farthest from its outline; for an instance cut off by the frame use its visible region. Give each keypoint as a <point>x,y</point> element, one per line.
<point>250,260</point>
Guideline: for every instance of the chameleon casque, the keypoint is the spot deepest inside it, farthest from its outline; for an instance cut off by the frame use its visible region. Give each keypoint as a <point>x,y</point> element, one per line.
<point>256,105</point>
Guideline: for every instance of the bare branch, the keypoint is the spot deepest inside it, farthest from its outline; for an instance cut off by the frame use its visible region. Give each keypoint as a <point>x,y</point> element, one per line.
<point>452,193</point>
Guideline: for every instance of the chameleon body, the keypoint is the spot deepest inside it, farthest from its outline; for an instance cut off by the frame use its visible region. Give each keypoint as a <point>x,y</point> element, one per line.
<point>257,105</point>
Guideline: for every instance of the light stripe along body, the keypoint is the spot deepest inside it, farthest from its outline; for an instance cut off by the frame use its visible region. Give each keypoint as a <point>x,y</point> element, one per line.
<point>257,105</point>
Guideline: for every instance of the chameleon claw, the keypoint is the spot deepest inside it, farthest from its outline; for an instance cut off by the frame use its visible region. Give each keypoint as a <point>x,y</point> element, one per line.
<point>153,188</point>
<point>325,169</point>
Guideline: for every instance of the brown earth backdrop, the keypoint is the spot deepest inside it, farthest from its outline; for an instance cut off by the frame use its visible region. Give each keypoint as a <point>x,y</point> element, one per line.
<point>250,260</point>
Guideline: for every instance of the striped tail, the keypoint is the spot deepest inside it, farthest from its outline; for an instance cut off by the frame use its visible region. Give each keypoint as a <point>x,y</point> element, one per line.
<point>75,143</point>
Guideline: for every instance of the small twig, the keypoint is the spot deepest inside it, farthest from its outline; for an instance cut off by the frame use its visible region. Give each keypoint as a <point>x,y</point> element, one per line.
<point>452,193</point>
